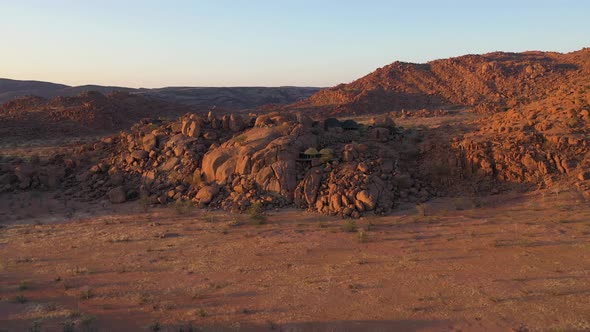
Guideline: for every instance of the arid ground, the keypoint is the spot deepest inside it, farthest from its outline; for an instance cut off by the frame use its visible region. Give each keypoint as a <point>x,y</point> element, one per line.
<point>509,262</point>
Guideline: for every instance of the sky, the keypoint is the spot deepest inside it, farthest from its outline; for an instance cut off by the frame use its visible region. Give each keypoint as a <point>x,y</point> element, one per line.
<point>266,43</point>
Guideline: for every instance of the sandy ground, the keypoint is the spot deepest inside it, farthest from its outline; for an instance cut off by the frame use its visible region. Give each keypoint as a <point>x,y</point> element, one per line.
<point>518,262</point>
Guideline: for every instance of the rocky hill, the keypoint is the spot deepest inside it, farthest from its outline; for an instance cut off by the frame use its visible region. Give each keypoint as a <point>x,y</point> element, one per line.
<point>488,82</point>
<point>234,98</point>
<point>90,113</point>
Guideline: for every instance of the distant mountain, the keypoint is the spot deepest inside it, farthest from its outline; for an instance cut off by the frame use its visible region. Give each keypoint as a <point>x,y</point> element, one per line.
<point>222,97</point>
<point>231,97</point>
<point>493,81</point>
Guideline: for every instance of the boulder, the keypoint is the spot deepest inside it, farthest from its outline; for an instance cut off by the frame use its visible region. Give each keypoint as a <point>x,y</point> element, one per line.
<point>170,164</point>
<point>193,130</point>
<point>139,155</point>
<point>206,194</point>
<point>368,198</point>
<point>117,195</point>
<point>583,176</point>
<point>236,123</point>
<point>149,142</point>
<point>306,192</point>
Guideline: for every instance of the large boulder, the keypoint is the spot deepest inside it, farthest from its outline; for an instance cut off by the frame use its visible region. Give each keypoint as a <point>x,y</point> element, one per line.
<point>368,198</point>
<point>236,123</point>
<point>206,194</point>
<point>306,192</point>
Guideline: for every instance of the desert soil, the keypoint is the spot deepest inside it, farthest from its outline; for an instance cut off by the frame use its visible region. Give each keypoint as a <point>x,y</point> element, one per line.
<point>508,262</point>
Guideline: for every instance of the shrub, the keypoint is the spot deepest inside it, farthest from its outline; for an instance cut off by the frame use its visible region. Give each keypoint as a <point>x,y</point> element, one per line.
<point>349,226</point>
<point>88,322</point>
<point>363,237</point>
<point>144,202</point>
<point>421,209</point>
<point>182,206</point>
<point>20,299</point>
<point>24,285</point>
<point>155,327</point>
<point>202,313</point>
<point>69,326</point>
<point>36,327</point>
<point>241,139</point>
<point>86,293</point>
<point>255,211</point>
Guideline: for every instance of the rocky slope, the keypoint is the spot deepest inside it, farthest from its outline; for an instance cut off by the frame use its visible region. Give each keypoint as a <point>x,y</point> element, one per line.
<point>487,82</point>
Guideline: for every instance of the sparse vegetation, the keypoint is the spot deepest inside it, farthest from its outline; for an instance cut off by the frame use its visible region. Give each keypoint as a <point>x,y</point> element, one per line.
<point>155,327</point>
<point>68,326</point>
<point>256,213</point>
<point>202,313</point>
<point>241,139</point>
<point>24,285</point>
<point>143,202</point>
<point>182,206</point>
<point>422,209</point>
<point>36,326</point>
<point>363,236</point>
<point>350,226</point>
<point>19,299</point>
<point>86,293</point>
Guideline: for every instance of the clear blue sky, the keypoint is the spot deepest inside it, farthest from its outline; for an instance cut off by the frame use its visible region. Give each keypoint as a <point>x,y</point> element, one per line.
<point>228,43</point>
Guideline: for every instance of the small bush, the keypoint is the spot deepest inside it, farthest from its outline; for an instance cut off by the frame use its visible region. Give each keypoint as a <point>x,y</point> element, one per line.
<point>256,213</point>
<point>144,202</point>
<point>363,236</point>
<point>202,313</point>
<point>24,285</point>
<point>36,327</point>
<point>155,327</point>
<point>86,294</point>
<point>69,326</point>
<point>421,209</point>
<point>20,299</point>
<point>349,226</point>
<point>88,322</point>
<point>182,206</point>
<point>241,139</point>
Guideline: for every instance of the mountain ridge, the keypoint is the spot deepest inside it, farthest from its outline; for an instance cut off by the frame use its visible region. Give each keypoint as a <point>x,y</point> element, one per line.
<point>239,97</point>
